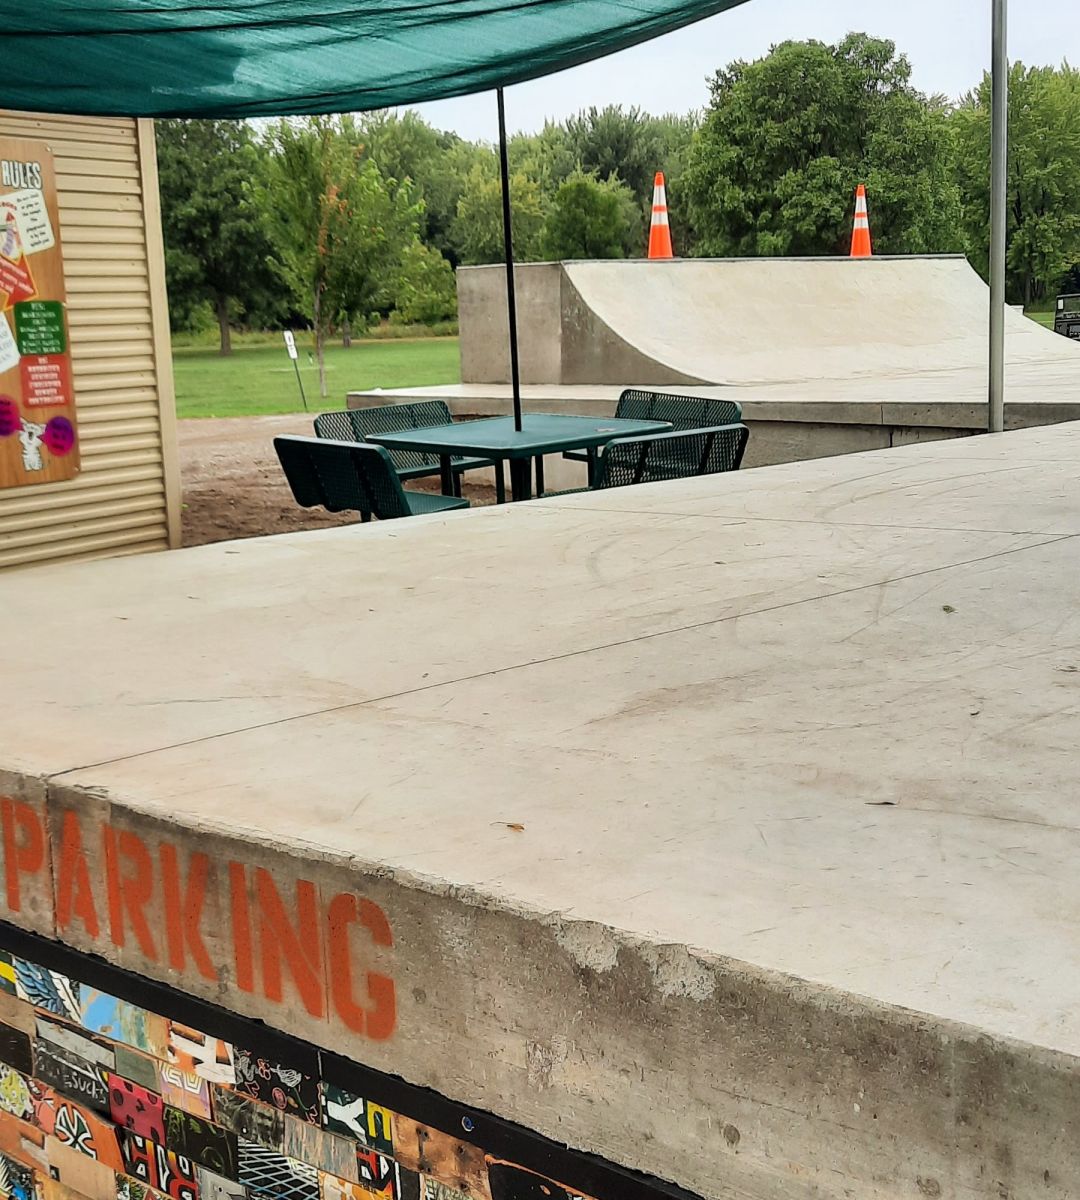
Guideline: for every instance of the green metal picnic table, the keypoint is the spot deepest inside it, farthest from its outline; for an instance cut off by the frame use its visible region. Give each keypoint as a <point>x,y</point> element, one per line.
<point>496,438</point>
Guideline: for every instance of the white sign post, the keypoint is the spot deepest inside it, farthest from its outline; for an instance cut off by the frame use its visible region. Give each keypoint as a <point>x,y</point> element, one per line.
<point>290,346</point>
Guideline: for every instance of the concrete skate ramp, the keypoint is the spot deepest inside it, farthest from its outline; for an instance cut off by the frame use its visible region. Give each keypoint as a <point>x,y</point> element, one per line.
<point>788,320</point>
<point>899,322</point>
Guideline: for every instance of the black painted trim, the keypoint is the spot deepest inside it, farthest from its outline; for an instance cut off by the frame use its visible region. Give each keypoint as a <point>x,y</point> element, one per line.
<point>496,1136</point>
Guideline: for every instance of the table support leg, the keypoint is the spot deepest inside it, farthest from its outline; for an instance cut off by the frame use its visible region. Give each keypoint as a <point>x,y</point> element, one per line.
<point>539,474</point>
<point>521,478</point>
<point>446,475</point>
<point>590,470</point>
<point>500,482</point>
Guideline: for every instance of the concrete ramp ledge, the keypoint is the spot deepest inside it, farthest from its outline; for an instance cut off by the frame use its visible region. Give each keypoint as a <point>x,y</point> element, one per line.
<point>562,339</point>
<point>592,350</point>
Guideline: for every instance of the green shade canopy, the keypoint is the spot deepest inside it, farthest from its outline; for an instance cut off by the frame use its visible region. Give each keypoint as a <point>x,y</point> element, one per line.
<point>247,58</point>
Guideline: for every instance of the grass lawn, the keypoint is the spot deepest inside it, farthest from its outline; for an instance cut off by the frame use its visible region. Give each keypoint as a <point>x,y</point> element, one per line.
<point>1044,318</point>
<point>260,379</point>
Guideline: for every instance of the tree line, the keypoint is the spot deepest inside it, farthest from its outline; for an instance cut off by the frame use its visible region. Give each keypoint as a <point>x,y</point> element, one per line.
<point>341,221</point>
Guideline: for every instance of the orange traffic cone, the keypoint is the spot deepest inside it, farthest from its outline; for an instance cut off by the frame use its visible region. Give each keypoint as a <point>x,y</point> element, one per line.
<point>860,235</point>
<point>660,230</point>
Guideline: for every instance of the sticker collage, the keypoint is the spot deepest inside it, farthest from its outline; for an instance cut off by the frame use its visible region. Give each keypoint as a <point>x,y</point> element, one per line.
<point>104,1100</point>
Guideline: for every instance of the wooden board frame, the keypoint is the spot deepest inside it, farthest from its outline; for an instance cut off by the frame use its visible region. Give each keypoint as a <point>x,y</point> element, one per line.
<point>38,429</point>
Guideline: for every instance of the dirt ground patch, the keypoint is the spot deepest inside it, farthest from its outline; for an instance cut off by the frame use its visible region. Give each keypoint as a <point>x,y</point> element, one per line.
<point>233,486</point>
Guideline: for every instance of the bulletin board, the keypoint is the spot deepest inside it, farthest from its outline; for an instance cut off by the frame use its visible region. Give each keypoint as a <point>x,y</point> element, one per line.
<point>38,435</point>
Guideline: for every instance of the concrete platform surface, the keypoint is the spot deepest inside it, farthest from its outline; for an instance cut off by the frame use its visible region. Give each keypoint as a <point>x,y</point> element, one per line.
<point>1036,395</point>
<point>792,422</point>
<point>726,828</point>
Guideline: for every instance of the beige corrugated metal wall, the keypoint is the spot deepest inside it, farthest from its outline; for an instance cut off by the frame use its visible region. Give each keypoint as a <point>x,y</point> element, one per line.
<point>126,498</point>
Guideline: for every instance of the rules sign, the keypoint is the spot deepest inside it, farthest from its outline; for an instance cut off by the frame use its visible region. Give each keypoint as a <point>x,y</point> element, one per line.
<point>38,440</point>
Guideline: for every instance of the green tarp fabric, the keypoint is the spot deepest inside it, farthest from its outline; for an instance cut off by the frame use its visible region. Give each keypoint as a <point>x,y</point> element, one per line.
<point>247,58</point>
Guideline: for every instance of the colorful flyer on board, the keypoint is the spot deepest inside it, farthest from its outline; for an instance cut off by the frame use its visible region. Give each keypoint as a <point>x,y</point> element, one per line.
<point>35,228</point>
<point>16,282</point>
<point>39,327</point>
<point>45,381</point>
<point>9,351</point>
<point>38,430</point>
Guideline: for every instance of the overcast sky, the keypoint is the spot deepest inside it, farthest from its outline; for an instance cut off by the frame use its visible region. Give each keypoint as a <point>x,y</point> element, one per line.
<point>947,41</point>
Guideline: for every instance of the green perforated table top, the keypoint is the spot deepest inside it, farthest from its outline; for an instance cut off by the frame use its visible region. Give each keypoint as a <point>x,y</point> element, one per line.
<point>496,437</point>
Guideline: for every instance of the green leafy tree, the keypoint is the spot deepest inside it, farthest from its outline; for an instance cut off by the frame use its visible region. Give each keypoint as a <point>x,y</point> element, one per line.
<point>591,219</point>
<point>546,157</point>
<point>614,142</point>
<point>478,227</point>
<point>433,163</point>
<point>786,139</point>
<point>426,292</point>
<point>629,145</point>
<point>456,167</point>
<point>217,245</point>
<point>673,134</point>
<point>1044,177</point>
<point>343,233</point>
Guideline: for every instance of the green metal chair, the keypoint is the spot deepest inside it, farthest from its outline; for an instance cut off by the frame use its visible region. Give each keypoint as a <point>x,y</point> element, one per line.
<point>672,455</point>
<point>352,477</point>
<point>682,412</point>
<point>357,424</point>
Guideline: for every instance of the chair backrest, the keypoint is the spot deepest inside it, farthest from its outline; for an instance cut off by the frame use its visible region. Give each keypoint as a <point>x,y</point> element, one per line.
<point>357,424</point>
<point>672,455</point>
<point>342,476</point>
<point>684,412</point>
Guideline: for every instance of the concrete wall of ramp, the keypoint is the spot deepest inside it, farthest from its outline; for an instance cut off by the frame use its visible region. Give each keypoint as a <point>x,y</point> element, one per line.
<point>126,498</point>
<point>561,338</point>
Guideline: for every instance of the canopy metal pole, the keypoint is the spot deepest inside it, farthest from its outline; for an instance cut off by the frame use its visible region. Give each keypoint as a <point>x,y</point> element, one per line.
<point>508,247</point>
<point>999,178</point>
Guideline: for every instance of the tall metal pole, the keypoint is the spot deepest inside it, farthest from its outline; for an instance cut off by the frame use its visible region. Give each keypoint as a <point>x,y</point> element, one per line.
<point>508,249</point>
<point>999,180</point>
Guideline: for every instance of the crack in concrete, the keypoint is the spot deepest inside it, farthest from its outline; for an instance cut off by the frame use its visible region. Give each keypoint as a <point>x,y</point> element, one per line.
<point>566,655</point>
<point>750,518</point>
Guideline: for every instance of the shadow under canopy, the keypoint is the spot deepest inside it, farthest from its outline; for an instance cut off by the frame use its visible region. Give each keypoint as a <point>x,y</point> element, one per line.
<point>252,58</point>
